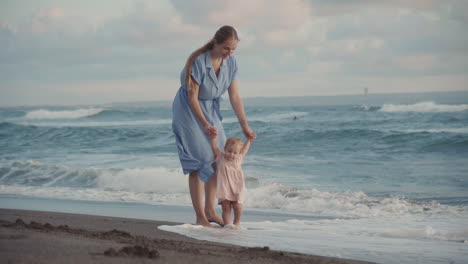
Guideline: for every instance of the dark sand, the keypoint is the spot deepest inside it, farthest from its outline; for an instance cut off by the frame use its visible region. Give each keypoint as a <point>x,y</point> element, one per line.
<point>48,237</point>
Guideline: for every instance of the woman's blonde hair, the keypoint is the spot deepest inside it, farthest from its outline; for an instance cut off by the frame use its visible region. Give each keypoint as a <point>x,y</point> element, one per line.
<point>223,34</point>
<point>232,141</point>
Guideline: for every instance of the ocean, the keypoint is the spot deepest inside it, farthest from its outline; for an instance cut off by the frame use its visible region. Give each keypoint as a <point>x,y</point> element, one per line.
<point>384,182</point>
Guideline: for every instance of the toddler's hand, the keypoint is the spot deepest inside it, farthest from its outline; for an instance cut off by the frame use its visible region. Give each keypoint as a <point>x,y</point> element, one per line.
<point>248,133</point>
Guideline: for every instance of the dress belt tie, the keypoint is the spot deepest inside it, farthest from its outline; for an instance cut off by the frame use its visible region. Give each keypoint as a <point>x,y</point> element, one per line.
<point>217,107</point>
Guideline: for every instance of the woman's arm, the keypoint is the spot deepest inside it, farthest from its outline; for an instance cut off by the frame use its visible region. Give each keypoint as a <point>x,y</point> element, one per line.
<point>193,91</point>
<point>238,106</point>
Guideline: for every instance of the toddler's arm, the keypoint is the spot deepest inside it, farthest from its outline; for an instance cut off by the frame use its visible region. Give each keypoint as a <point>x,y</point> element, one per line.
<point>214,147</point>
<point>246,146</point>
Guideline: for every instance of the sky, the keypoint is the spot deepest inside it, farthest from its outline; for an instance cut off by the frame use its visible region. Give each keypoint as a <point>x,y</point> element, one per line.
<point>90,52</point>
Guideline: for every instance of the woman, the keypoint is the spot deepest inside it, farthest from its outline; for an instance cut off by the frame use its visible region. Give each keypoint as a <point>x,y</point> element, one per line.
<point>208,73</point>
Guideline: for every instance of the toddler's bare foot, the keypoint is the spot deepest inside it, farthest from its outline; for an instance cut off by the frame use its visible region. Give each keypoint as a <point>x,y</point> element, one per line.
<point>231,226</point>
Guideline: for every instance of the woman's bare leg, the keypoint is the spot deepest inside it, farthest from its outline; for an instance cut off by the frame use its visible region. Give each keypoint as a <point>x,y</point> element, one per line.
<point>226,205</point>
<point>210,201</point>
<point>237,213</point>
<point>196,193</point>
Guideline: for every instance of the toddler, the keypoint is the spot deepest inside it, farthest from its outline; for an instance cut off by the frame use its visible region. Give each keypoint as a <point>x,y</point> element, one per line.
<point>230,177</point>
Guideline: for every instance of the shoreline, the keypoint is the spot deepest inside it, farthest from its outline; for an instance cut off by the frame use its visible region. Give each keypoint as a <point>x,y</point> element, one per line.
<point>53,237</point>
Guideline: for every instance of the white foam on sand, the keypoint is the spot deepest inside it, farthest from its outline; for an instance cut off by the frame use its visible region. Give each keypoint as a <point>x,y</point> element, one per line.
<point>375,240</point>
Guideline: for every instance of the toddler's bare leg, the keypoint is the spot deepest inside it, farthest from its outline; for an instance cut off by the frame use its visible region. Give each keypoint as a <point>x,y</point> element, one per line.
<point>226,205</point>
<point>237,213</point>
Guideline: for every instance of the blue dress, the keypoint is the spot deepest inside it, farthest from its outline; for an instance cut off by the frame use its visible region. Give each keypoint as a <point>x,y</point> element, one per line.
<point>193,144</point>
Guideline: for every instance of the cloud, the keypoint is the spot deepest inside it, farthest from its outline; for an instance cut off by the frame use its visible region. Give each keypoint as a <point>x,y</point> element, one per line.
<point>88,92</point>
<point>7,28</point>
<point>150,25</point>
<point>327,44</point>
<point>43,19</point>
<point>264,22</point>
<point>333,8</point>
<point>416,62</point>
<point>57,44</point>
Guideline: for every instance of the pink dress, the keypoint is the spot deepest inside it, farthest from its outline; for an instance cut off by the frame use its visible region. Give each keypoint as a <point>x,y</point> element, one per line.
<point>231,184</point>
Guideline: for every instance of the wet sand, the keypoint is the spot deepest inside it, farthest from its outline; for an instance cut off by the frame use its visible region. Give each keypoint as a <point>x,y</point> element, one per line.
<point>50,237</point>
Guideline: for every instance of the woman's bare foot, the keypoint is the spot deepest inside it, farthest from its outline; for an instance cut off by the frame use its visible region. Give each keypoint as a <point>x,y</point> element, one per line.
<point>203,222</point>
<point>213,217</point>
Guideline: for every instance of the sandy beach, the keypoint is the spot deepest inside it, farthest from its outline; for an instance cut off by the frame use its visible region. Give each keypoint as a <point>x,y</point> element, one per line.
<point>50,237</point>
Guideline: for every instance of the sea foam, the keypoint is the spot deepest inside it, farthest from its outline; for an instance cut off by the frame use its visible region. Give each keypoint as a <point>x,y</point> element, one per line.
<point>423,107</point>
<point>160,184</point>
<point>34,173</point>
<point>331,204</point>
<point>60,123</point>
<point>463,130</point>
<point>273,117</point>
<point>96,194</point>
<point>158,180</point>
<point>66,114</point>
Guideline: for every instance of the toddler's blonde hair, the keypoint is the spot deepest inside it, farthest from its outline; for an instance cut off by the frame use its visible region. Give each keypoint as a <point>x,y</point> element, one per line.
<point>233,141</point>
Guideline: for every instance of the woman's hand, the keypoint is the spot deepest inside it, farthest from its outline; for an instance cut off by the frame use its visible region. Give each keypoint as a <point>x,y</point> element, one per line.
<point>211,131</point>
<point>248,133</point>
